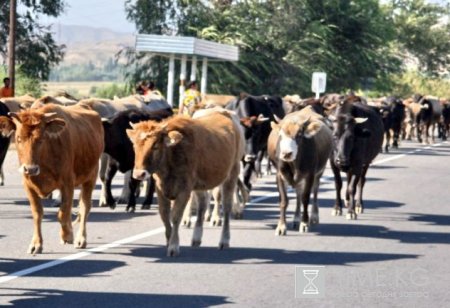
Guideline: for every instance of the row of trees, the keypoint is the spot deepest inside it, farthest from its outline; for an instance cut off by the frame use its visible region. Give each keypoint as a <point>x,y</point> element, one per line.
<point>360,44</point>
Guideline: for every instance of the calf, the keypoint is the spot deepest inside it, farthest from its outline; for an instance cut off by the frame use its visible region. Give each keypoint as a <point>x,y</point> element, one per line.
<point>120,148</point>
<point>428,117</point>
<point>58,148</point>
<point>358,137</point>
<point>188,155</point>
<point>300,147</point>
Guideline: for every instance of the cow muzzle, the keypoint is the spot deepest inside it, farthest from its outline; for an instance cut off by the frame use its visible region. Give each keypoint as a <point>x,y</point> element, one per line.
<point>30,170</point>
<point>140,174</point>
<point>249,158</point>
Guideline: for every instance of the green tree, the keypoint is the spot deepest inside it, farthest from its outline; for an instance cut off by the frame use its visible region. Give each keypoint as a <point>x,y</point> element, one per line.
<point>36,50</point>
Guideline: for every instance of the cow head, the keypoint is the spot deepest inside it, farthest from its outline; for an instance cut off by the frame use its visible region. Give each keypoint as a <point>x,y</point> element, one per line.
<point>32,130</point>
<point>253,135</point>
<point>346,130</point>
<point>291,134</point>
<point>152,142</point>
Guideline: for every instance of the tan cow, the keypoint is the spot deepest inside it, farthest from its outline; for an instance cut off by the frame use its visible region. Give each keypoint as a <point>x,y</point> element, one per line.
<point>188,155</point>
<point>17,103</point>
<point>58,148</point>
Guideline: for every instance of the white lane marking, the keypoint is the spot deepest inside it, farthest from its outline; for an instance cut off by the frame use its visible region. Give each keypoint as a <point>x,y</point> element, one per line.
<point>134,238</point>
<point>79,255</point>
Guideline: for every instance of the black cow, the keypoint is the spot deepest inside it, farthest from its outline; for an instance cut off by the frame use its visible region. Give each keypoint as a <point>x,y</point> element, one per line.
<point>427,118</point>
<point>4,143</point>
<point>392,112</point>
<point>358,137</point>
<point>120,148</point>
<point>256,113</point>
<point>445,121</point>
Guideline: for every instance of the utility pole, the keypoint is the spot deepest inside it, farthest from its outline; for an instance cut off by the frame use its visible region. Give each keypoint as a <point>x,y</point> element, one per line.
<point>12,44</point>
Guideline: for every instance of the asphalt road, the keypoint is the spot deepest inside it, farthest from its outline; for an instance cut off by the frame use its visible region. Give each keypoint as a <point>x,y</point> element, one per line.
<point>394,255</point>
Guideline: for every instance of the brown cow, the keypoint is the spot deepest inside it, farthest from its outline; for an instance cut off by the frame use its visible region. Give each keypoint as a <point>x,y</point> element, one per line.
<point>58,148</point>
<point>188,155</point>
<point>300,146</point>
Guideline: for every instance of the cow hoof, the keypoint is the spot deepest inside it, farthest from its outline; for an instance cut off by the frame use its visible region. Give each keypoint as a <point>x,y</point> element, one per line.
<point>34,249</point>
<point>146,206</point>
<point>281,230</point>
<point>130,209</point>
<point>351,216</point>
<point>186,222</point>
<point>207,217</point>
<point>359,210</point>
<point>173,251</point>
<point>336,212</point>
<point>80,243</point>
<point>102,202</point>
<point>304,227</point>
<point>196,243</point>
<point>238,215</point>
<point>314,219</point>
<point>215,222</point>
<point>2,183</point>
<point>224,245</point>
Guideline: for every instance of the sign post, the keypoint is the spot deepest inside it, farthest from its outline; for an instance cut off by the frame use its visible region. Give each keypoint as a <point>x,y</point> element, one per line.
<point>319,83</point>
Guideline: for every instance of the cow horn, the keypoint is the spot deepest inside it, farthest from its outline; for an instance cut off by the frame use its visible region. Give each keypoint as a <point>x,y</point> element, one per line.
<point>14,115</point>
<point>424,107</point>
<point>133,125</point>
<point>360,120</point>
<point>261,118</point>
<point>49,114</point>
<point>277,119</point>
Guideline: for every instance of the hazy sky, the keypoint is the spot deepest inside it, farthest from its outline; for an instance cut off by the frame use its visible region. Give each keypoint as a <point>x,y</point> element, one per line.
<point>96,13</point>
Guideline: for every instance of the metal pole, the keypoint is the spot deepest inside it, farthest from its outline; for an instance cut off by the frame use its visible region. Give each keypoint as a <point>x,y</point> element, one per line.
<point>182,78</point>
<point>170,80</point>
<point>193,68</point>
<point>12,44</point>
<point>204,76</point>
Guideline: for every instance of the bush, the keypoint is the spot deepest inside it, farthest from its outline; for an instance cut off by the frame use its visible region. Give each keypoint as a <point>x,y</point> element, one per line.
<point>110,91</point>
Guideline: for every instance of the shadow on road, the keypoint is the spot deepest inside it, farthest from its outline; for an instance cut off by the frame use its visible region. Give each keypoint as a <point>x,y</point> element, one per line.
<point>440,220</point>
<point>247,255</point>
<point>63,298</point>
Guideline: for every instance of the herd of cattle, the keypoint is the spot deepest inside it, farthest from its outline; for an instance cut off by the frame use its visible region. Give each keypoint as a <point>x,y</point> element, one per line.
<point>63,144</point>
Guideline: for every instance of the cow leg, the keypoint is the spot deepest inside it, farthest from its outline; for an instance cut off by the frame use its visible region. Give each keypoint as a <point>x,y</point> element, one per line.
<point>228,189</point>
<point>314,218</point>
<point>65,212</point>
<point>347,191</point>
<point>284,202</point>
<point>2,176</point>
<point>215,215</point>
<point>38,212</point>
<point>258,162</point>
<point>359,209</point>
<point>433,127</point>
<point>106,198</point>
<point>176,214</point>
<point>83,212</point>
<point>248,169</point>
<point>419,133</point>
<point>149,192</point>
<point>304,224</point>
<point>241,197</point>
<point>351,189</point>
<point>187,215</point>
<point>337,210</point>
<point>298,204</point>
<point>132,186</point>
<point>164,213</point>
<point>388,141</point>
<point>202,197</point>
<point>127,189</point>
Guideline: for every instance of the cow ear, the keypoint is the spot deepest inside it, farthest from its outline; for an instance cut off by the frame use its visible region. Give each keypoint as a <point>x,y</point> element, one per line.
<point>7,126</point>
<point>55,127</point>
<point>131,133</point>
<point>173,138</point>
<point>312,129</point>
<point>363,133</point>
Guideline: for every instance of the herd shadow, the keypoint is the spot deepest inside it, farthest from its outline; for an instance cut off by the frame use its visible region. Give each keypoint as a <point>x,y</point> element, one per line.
<point>431,219</point>
<point>64,298</point>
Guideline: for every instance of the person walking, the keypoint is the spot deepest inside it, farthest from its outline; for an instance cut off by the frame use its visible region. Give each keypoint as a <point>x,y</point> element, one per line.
<point>191,99</point>
<point>6,90</point>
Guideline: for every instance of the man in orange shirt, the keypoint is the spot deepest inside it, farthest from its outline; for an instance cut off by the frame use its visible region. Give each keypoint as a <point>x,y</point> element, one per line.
<point>6,91</point>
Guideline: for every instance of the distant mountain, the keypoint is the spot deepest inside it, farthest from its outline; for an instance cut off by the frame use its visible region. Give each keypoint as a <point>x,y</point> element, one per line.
<point>88,44</point>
